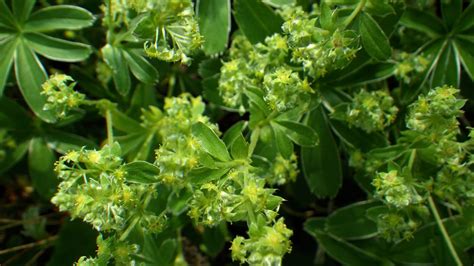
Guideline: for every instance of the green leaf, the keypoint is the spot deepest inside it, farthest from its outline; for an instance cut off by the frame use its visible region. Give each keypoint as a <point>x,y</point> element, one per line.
<point>351,222</point>
<point>58,49</point>
<point>142,172</point>
<point>7,48</point>
<point>76,239</point>
<point>203,175</point>
<point>298,133</point>
<point>114,57</point>
<point>214,24</point>
<point>466,53</point>
<point>13,116</point>
<point>7,20</point>
<point>357,138</point>
<point>423,22</point>
<point>379,8</point>
<point>279,3</point>
<point>22,9</point>
<point>240,148</point>
<point>63,142</point>
<point>451,11</point>
<point>233,132</point>
<point>30,75</point>
<point>282,142</point>
<point>140,67</point>
<point>214,239</point>
<point>63,17</point>
<point>210,141</point>
<point>466,21</point>
<point>168,251</point>
<point>256,20</point>
<point>447,70</point>
<point>13,157</point>
<point>321,164</point>
<point>375,42</point>
<point>342,251</point>
<point>124,123</point>
<point>41,161</point>
<point>178,201</point>
<point>367,74</point>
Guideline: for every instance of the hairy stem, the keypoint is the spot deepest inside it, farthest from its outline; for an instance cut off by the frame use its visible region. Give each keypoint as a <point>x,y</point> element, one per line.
<point>445,234</point>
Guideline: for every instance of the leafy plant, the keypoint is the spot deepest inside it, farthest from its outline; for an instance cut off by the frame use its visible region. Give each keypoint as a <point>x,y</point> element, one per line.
<point>219,132</point>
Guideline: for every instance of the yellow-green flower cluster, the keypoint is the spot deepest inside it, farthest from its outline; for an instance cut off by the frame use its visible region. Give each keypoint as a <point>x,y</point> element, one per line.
<point>170,29</point>
<point>395,227</point>
<point>111,249</point>
<point>319,51</point>
<point>7,144</point>
<point>179,151</point>
<point>285,89</point>
<point>60,95</point>
<point>410,65</point>
<point>371,111</point>
<point>94,188</point>
<point>283,170</point>
<point>394,190</point>
<point>435,114</point>
<point>266,244</point>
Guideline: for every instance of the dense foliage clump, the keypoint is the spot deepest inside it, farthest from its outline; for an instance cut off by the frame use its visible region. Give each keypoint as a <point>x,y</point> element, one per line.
<point>212,132</point>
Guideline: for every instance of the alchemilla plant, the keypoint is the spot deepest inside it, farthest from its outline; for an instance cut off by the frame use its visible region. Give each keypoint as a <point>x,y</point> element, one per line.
<point>219,132</point>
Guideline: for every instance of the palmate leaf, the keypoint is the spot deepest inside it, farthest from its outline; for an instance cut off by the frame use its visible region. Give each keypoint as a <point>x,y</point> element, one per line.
<point>21,39</point>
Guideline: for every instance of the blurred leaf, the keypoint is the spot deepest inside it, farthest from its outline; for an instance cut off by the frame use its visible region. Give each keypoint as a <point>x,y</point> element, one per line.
<point>448,68</point>
<point>214,24</point>
<point>321,164</point>
<point>76,239</point>
<point>210,142</point>
<point>466,21</point>
<point>342,251</point>
<point>256,20</point>
<point>423,22</point>
<point>41,161</point>
<point>351,222</point>
<point>34,225</point>
<point>22,9</point>
<point>375,41</point>
<point>13,157</point>
<point>7,48</point>
<point>214,239</point>
<point>465,52</point>
<point>63,142</point>
<point>279,3</point>
<point>451,11</point>
<point>168,250</point>
<point>379,8</point>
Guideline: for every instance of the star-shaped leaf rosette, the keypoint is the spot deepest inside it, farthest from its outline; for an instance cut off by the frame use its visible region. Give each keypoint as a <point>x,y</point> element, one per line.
<point>23,36</point>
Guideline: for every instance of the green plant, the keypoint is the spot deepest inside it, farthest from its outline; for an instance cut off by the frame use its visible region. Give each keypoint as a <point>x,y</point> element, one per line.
<point>178,130</point>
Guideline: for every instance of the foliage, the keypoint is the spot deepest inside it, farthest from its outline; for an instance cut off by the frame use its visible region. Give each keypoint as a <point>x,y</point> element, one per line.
<point>181,132</point>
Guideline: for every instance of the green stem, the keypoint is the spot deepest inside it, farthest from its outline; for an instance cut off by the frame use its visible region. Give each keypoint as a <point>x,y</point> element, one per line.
<point>411,161</point>
<point>110,133</point>
<point>253,140</point>
<point>445,234</point>
<point>251,214</point>
<point>354,13</point>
